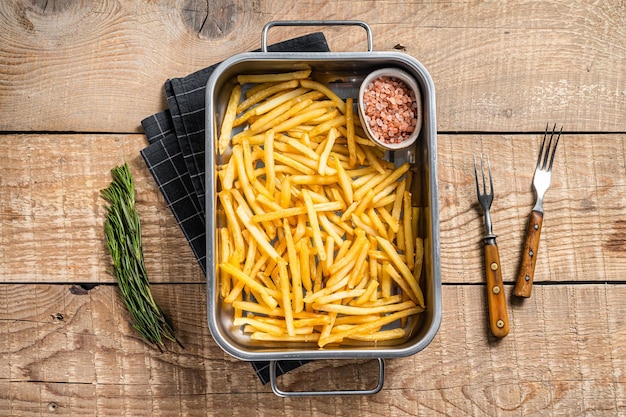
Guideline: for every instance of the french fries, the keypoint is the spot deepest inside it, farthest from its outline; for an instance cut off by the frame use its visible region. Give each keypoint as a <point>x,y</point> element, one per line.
<point>319,243</point>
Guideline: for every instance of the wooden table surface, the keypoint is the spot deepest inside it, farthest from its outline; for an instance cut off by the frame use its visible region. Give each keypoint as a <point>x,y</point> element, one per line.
<point>76,79</point>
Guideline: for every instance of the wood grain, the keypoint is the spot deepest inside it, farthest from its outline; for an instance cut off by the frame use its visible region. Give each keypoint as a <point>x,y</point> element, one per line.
<point>497,66</point>
<point>90,362</point>
<point>53,215</point>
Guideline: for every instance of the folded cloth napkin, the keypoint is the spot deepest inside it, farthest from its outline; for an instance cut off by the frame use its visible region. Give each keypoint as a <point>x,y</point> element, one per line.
<point>175,157</point>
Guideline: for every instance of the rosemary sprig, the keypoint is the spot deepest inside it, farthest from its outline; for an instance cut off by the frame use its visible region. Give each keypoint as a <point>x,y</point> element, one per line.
<point>123,235</point>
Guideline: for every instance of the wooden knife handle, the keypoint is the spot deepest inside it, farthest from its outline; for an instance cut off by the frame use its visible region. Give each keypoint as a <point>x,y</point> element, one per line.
<point>498,317</point>
<point>524,283</point>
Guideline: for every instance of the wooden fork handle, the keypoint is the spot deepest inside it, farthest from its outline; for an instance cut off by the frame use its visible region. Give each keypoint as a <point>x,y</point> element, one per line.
<point>498,317</point>
<point>524,283</point>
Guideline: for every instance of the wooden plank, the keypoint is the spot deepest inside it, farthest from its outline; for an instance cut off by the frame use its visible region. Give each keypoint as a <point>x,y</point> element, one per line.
<point>565,355</point>
<point>497,66</point>
<point>52,214</point>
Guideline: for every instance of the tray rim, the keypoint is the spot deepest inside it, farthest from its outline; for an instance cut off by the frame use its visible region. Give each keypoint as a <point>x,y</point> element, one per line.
<point>429,127</point>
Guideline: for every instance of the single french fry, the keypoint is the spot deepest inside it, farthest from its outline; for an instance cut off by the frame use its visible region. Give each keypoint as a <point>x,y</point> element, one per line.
<point>266,337</point>
<point>317,237</point>
<point>228,176</point>
<point>229,118</point>
<point>377,223</point>
<point>388,218</point>
<point>361,265</point>
<point>314,179</point>
<point>360,222</point>
<point>384,202</point>
<point>419,261</point>
<point>329,289</point>
<point>314,85</point>
<point>294,269</point>
<point>393,299</point>
<point>285,192</point>
<point>392,177</point>
<point>344,180</point>
<point>330,115</point>
<point>305,270</point>
<point>247,269</point>
<point>397,278</point>
<point>255,307</point>
<point>293,163</point>
<point>339,296</point>
<point>333,231</point>
<point>292,106</point>
<point>270,168</point>
<point>259,325</point>
<point>255,88</point>
<point>327,125</point>
<point>264,93</point>
<point>233,224</point>
<point>364,203</point>
<point>374,160</point>
<point>409,240</point>
<point>379,336</point>
<point>323,160</point>
<point>330,253</point>
<point>327,329</point>
<point>310,163</point>
<point>351,254</point>
<point>267,78</point>
<point>351,320</point>
<point>320,320</point>
<point>286,296</point>
<point>369,186</point>
<point>225,283</point>
<point>301,147</point>
<point>299,119</point>
<point>333,217</point>
<point>350,131</point>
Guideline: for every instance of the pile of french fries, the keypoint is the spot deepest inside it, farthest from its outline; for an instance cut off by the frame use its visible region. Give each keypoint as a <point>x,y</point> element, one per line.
<point>319,242</point>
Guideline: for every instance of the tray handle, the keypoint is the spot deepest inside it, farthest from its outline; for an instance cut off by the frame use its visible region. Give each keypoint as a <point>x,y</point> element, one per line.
<point>266,28</point>
<point>281,393</point>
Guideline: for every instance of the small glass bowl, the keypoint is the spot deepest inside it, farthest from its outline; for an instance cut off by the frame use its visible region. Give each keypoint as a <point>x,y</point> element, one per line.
<point>412,84</point>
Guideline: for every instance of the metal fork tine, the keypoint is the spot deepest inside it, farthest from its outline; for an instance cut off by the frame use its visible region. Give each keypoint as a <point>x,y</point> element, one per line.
<point>476,176</point>
<point>482,170</point>
<point>556,143</point>
<point>490,176</point>
<point>484,177</point>
<point>547,154</point>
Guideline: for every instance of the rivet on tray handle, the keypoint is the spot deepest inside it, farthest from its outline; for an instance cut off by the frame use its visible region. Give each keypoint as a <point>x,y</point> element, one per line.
<point>498,317</point>
<point>266,28</point>
<point>524,284</point>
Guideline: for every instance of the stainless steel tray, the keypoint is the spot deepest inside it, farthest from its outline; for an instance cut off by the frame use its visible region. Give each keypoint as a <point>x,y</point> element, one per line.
<point>342,72</point>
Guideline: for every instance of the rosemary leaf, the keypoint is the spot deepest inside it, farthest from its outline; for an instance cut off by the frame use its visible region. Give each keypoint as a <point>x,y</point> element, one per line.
<point>122,230</point>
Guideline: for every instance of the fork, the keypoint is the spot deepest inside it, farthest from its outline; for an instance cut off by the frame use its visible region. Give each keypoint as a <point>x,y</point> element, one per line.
<point>541,183</point>
<point>498,318</point>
